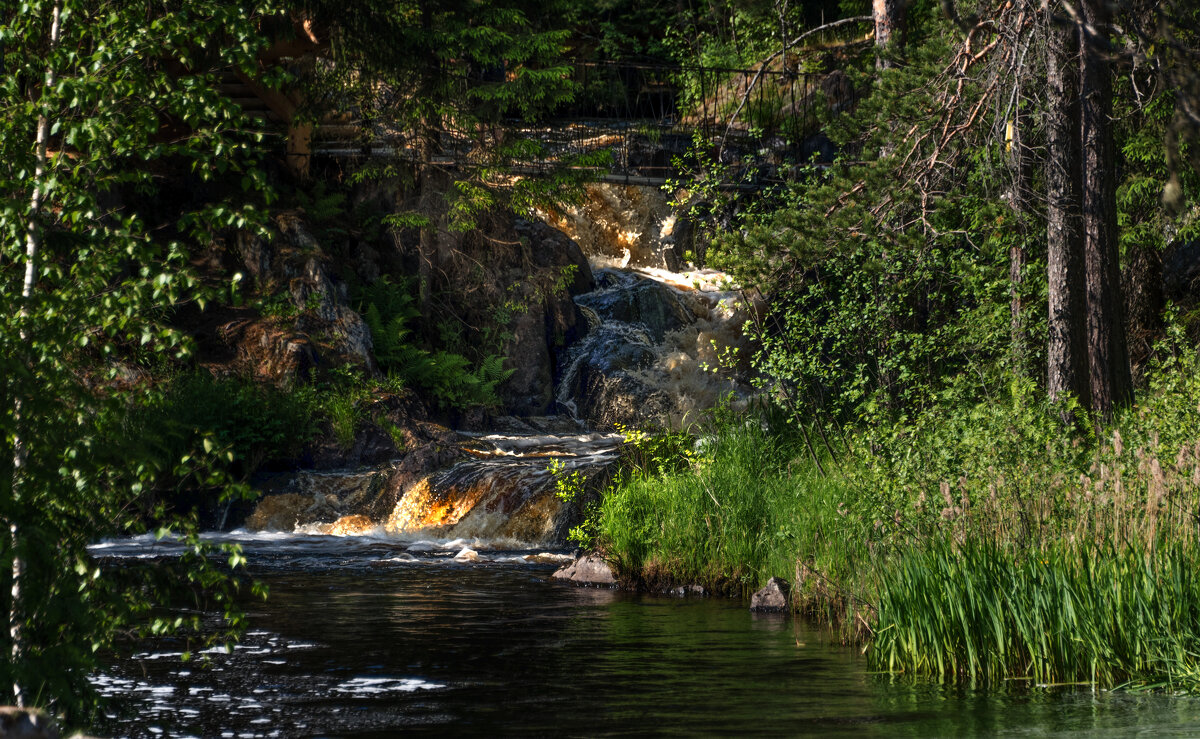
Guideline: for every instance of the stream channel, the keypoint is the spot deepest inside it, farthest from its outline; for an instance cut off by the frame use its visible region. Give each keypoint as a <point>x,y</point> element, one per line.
<point>365,636</point>
<point>435,614</point>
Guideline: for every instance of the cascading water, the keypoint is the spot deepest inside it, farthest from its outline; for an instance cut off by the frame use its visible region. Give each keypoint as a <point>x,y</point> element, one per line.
<point>664,344</point>
<point>661,347</point>
<point>502,496</point>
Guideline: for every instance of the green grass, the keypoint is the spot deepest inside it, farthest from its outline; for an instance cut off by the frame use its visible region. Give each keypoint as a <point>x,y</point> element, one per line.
<point>745,508</point>
<point>1089,612</point>
<point>976,542</point>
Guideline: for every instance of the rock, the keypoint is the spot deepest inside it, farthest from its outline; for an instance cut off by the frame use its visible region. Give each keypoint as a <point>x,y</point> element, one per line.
<point>393,425</point>
<point>350,526</point>
<point>528,390</point>
<point>26,723</point>
<point>587,570</point>
<point>637,300</point>
<point>269,349</point>
<point>550,247</point>
<point>773,598</point>
<point>684,591</point>
<point>618,399</point>
<point>287,511</point>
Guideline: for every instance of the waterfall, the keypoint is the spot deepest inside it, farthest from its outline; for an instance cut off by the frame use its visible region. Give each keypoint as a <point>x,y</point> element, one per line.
<point>664,343</point>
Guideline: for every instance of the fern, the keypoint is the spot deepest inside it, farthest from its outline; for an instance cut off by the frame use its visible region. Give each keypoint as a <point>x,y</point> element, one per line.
<point>446,377</point>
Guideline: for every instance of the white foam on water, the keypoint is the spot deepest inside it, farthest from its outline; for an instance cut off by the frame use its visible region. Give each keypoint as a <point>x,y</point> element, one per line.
<point>158,655</point>
<point>467,555</point>
<point>380,685</point>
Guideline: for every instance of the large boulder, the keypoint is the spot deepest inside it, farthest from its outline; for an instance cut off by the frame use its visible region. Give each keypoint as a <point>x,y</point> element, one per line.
<point>306,321</point>
<point>636,300</point>
<point>589,569</point>
<point>26,723</point>
<point>773,598</point>
<point>549,269</point>
<point>551,248</point>
<point>270,349</point>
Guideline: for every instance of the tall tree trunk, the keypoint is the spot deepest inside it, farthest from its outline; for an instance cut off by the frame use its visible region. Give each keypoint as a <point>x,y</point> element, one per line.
<point>33,240</point>
<point>1108,353</point>
<point>889,26</point>
<point>1066,349</point>
<point>1019,162</point>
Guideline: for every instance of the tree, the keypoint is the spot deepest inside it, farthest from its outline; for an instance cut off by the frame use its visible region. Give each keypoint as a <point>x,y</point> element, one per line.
<point>440,82</point>
<point>889,28</point>
<point>101,106</point>
<point>1066,354</point>
<point>1111,384</point>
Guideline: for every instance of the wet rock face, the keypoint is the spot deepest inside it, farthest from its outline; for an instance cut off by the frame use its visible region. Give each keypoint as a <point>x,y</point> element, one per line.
<point>606,378</point>
<point>607,399</point>
<point>648,354</point>
<point>493,486</point>
<point>636,300</point>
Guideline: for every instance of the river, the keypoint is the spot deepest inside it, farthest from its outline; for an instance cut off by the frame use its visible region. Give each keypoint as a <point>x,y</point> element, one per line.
<point>367,637</point>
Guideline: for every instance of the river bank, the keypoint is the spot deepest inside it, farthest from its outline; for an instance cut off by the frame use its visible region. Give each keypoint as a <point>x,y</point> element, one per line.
<point>991,542</point>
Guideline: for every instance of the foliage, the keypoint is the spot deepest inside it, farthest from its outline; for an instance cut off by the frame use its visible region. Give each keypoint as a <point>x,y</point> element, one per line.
<point>571,487</point>
<point>745,507</point>
<point>1110,614</point>
<point>105,272</point>
<point>450,77</point>
<point>448,378</point>
<point>253,421</point>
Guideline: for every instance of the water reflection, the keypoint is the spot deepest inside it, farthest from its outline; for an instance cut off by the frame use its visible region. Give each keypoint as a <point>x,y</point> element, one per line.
<point>490,649</point>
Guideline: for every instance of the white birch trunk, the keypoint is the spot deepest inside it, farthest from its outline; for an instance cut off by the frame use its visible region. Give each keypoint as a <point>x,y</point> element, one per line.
<point>32,243</point>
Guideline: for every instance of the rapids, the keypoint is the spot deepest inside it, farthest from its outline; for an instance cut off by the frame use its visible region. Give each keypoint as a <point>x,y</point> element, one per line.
<point>664,343</point>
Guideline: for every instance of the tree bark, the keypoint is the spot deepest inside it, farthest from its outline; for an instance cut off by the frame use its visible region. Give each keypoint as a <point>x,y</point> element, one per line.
<point>1108,353</point>
<point>33,240</point>
<point>889,18</point>
<point>1019,162</point>
<point>1067,372</point>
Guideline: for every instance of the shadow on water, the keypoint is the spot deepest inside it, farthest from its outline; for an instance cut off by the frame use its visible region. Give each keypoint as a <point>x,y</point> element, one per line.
<point>377,646</point>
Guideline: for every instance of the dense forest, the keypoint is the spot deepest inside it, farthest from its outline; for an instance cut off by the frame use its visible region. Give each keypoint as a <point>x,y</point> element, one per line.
<point>240,238</point>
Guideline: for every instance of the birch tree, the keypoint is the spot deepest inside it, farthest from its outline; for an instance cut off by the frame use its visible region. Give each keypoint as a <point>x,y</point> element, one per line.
<point>100,105</point>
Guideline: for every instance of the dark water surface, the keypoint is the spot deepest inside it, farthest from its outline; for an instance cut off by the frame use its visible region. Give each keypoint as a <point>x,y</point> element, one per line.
<point>365,639</point>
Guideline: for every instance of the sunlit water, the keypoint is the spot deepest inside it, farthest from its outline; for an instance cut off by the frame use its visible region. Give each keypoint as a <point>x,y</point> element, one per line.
<point>375,636</point>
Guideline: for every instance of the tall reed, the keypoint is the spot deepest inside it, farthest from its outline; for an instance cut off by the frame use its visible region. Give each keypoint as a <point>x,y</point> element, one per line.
<point>1105,614</point>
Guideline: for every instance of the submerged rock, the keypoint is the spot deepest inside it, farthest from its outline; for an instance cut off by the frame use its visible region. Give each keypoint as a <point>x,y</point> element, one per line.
<point>684,591</point>
<point>773,598</point>
<point>587,570</point>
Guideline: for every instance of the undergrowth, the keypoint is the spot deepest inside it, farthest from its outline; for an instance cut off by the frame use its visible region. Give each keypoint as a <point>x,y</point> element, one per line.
<point>1008,538</point>
<point>451,380</point>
